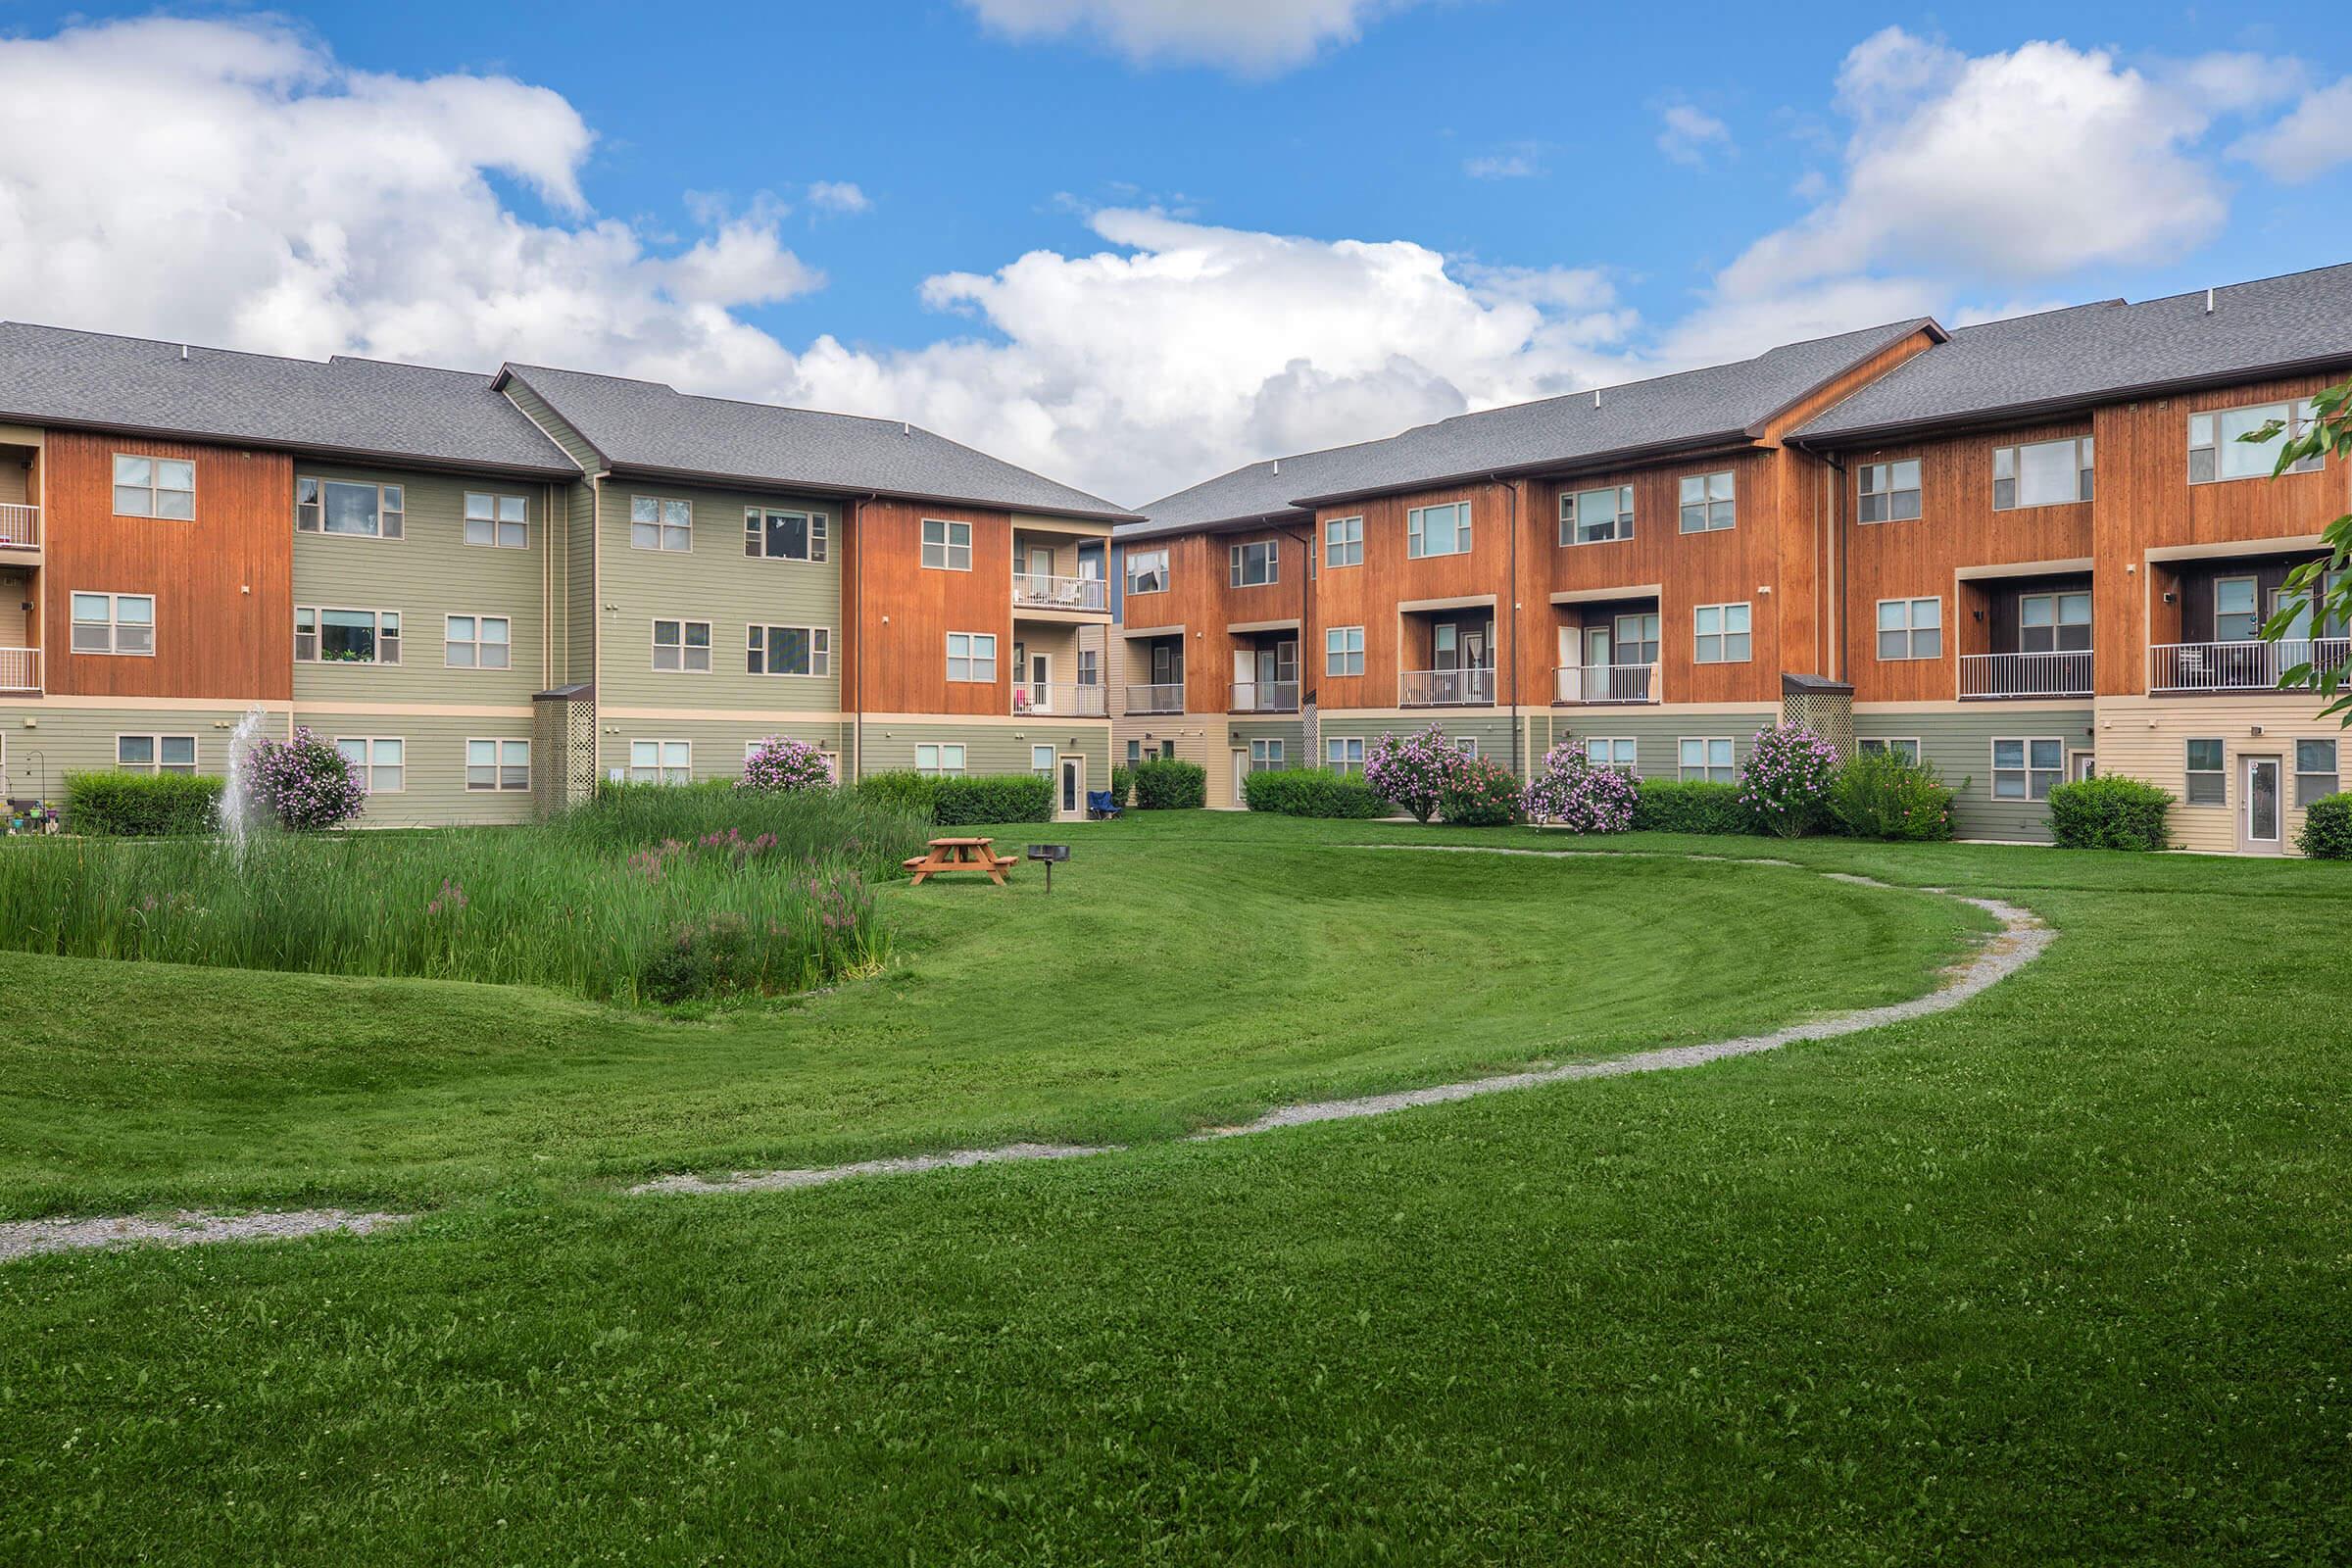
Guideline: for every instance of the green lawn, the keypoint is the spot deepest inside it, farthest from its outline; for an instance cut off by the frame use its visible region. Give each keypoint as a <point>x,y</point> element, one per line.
<point>2058,1276</point>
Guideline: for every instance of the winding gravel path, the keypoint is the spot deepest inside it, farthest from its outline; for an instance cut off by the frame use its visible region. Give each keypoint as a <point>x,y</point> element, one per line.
<point>187,1228</point>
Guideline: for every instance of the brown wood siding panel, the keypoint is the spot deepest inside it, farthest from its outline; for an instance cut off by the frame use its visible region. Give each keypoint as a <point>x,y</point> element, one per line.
<point>910,609</point>
<point>1368,596</point>
<point>1284,599</point>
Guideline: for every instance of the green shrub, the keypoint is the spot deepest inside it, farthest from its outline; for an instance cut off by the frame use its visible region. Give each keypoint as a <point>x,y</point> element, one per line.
<point>900,789</point>
<point>996,797</point>
<point>2328,828</point>
<point>1480,792</point>
<point>2111,812</point>
<point>1881,795</point>
<point>1122,785</point>
<point>1311,792</point>
<point>1164,784</point>
<point>1670,805</point>
<point>140,805</point>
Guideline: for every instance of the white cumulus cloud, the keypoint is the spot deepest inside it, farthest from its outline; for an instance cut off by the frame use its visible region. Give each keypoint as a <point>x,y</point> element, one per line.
<point>1688,134</point>
<point>838,196</point>
<point>1253,37</point>
<point>2314,138</point>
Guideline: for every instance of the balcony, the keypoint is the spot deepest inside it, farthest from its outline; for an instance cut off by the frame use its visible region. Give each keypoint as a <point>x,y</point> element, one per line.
<point>1265,697</point>
<point>19,527</point>
<point>1082,595</point>
<point>21,671</point>
<point>1446,688</point>
<point>1167,698</point>
<point>1992,676</point>
<point>1059,699</point>
<point>1606,683</point>
<point>2247,666</point>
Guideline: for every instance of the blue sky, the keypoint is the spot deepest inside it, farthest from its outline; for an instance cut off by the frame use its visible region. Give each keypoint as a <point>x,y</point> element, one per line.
<point>1555,196</point>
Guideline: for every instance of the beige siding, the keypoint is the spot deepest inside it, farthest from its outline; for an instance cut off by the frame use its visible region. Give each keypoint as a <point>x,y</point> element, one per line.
<point>2147,738</point>
<point>42,741</point>
<point>433,791</point>
<point>989,748</point>
<point>719,741</point>
<point>577,596</point>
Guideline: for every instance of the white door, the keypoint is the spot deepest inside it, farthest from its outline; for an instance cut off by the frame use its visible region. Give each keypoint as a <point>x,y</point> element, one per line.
<point>1072,796</point>
<point>1041,683</point>
<point>1040,566</point>
<point>1599,655</point>
<point>2081,766</point>
<point>1241,772</point>
<point>1245,680</point>
<point>2259,806</point>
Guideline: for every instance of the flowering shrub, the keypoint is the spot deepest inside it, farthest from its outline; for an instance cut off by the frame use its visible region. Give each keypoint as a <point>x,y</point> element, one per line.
<point>782,763</point>
<point>1412,771</point>
<point>1879,795</point>
<point>1580,797</point>
<point>304,784</point>
<point>1479,792</point>
<point>1787,779</point>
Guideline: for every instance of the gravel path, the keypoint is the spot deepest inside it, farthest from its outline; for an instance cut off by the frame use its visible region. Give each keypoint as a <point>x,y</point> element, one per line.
<point>769,1181</point>
<point>187,1228</point>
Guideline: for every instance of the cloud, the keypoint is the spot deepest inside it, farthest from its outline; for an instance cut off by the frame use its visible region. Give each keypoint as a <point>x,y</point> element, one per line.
<point>2310,141</point>
<point>1251,37</point>
<point>1520,160</point>
<point>1690,134</point>
<point>838,196</point>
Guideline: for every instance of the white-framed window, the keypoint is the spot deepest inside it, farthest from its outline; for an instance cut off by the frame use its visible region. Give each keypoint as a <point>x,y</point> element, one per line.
<point>1090,667</point>
<point>2026,767</point>
<point>1254,566</point>
<point>683,646</point>
<point>1903,749</point>
<point>2053,623</point>
<point>477,642</point>
<point>1468,744</point>
<point>1610,751</point>
<point>788,649</point>
<point>1886,492</point>
<point>114,623</point>
<point>944,761</point>
<point>2207,765</point>
<point>325,634</point>
<point>785,533</point>
<point>1721,634</point>
<point>1709,502</point>
<point>947,545</point>
<point>661,761</point>
<point>1041,761</point>
<point>657,523</point>
<point>2042,473</point>
<point>2216,451</point>
<point>350,508</point>
<point>2315,776</point>
<point>1148,571</point>
<point>498,765</point>
<point>1345,756</point>
<point>972,656</point>
<point>155,753</point>
<point>1344,542</point>
<point>154,487</point>
<point>2237,610</point>
<point>1135,753</point>
<point>1596,516</point>
<point>382,762</point>
<point>1910,628</point>
<point>1706,760</point>
<point>1442,531</point>
<point>1265,756</point>
<point>502,522</point>
<point>1343,650</point>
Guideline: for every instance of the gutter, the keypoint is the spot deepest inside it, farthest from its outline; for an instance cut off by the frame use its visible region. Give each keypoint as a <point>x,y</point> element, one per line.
<point>403,460</point>
<point>1557,467</point>
<point>708,477</point>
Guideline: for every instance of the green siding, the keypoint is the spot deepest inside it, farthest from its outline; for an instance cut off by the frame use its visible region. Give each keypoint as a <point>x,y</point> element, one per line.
<point>1656,734</point>
<point>718,744</point>
<point>433,792</point>
<point>1291,732</point>
<point>578,598</point>
<point>40,743</point>
<point>1960,745</point>
<point>559,429</point>
<point>1491,730</point>
<point>991,748</point>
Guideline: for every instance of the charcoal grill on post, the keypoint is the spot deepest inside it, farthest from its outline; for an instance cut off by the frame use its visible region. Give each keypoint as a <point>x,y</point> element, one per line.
<point>1048,854</point>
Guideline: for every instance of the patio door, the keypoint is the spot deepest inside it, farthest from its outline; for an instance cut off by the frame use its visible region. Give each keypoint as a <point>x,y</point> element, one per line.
<point>1600,654</point>
<point>2259,806</point>
<point>1038,564</point>
<point>1241,774</point>
<point>1475,654</point>
<point>1072,795</point>
<point>1039,678</point>
<point>1245,680</point>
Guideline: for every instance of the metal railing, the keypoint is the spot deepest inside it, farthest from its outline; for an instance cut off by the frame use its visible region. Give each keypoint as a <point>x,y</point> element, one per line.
<point>1059,697</point>
<point>1607,683</point>
<point>1446,688</point>
<point>1167,698</point>
<point>1265,697</point>
<point>19,526</point>
<point>20,670</point>
<point>2248,667</point>
<point>1032,592</point>
<point>2063,673</point>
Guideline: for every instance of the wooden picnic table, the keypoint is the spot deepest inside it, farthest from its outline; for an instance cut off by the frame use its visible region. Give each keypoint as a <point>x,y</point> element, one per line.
<point>960,854</point>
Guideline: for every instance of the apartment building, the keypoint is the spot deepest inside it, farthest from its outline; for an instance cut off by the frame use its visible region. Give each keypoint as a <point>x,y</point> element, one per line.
<point>2025,551</point>
<point>493,590</point>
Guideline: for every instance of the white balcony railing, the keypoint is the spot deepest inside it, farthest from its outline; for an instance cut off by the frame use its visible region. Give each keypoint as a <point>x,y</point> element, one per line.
<point>1446,688</point>
<point>1265,697</point>
<point>1033,591</point>
<point>1059,697</point>
<point>2251,667</point>
<point>1607,683</point>
<point>20,670</point>
<point>1166,698</point>
<point>2064,673</point>
<point>19,526</point>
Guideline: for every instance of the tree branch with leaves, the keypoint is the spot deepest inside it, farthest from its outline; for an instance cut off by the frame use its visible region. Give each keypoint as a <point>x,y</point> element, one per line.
<point>2323,585</point>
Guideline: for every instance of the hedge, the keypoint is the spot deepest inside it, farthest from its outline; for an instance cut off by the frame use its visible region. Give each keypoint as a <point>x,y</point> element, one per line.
<point>962,802</point>
<point>141,804</point>
<point>2111,812</point>
<point>1164,784</point>
<point>1123,784</point>
<point>900,787</point>
<point>1311,792</point>
<point>2328,828</point>
<point>1670,805</point>
<point>1879,795</point>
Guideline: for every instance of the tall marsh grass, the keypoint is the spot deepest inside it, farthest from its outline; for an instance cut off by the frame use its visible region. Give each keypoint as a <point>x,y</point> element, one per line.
<point>648,895</point>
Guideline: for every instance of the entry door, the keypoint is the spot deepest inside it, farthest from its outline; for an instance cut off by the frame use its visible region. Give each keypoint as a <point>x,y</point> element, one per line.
<point>2081,766</point>
<point>1040,564</point>
<point>1073,788</point>
<point>2259,808</point>
<point>1040,682</point>
<point>1241,772</point>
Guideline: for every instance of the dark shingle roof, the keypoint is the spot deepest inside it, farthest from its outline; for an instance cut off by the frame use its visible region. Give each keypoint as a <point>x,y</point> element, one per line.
<point>1693,408</point>
<point>371,408</point>
<point>649,427</point>
<point>2098,353</point>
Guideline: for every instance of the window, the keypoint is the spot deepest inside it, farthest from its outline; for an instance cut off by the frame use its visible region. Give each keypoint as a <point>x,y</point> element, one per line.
<point>1146,572</point>
<point>789,651</point>
<point>2207,769</point>
<point>1610,751</point>
<point>1635,638</point>
<point>1345,756</point>
<point>972,656</point>
<point>355,511</point>
<point>2053,623</point>
<point>1910,628</point>
<point>1886,492</point>
<point>1707,501</point>
<point>1343,650</point>
<point>1707,759</point>
<point>1592,516</point>
<point>946,546</point>
<point>2314,770</point>
<point>380,761</point>
<point>114,623</point>
<point>659,524</point>
<point>2042,473</point>
<point>503,765</point>
<point>155,753</point>
<point>2215,451</point>
<point>500,522</point>
<point>1265,756</point>
<point>1090,667</point>
<point>1438,530</point>
<point>1905,750</point>
<point>1344,542</point>
<point>323,636</point>
<point>1722,634</point>
<point>1256,565</point>
<point>2026,770</point>
<point>477,642</point>
<point>682,645</point>
<point>939,762</point>
<point>2237,610</point>
<point>1041,761</point>
<point>772,535</point>
<point>661,761</point>
<point>1135,753</point>
<point>154,487</point>
<point>1167,663</point>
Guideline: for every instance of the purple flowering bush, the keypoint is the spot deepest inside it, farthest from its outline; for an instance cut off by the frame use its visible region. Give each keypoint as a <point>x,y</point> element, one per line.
<point>1580,797</point>
<point>1412,770</point>
<point>782,765</point>
<point>1479,792</point>
<point>1787,779</point>
<point>304,784</point>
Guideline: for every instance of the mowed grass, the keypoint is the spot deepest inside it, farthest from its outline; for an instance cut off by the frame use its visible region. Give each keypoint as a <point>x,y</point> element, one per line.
<point>2056,1277</point>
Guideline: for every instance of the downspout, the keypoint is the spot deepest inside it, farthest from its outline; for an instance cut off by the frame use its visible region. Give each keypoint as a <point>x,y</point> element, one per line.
<point>858,620</point>
<point>1511,601</point>
<point>1834,600</point>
